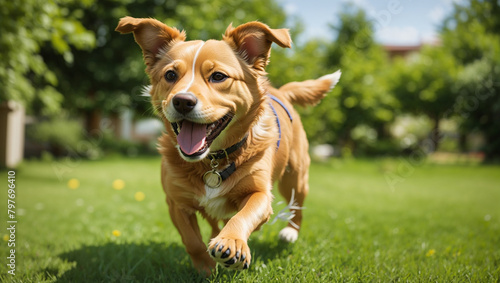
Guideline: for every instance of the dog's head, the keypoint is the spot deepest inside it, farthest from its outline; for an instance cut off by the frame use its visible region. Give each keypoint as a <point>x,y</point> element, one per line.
<point>209,92</point>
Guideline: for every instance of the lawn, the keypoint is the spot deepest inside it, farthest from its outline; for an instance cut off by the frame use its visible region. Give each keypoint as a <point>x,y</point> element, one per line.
<point>377,220</point>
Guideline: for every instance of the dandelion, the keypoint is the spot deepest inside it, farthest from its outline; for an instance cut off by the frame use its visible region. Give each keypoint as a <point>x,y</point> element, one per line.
<point>139,196</point>
<point>118,184</point>
<point>430,253</point>
<point>6,237</point>
<point>116,233</point>
<point>73,184</point>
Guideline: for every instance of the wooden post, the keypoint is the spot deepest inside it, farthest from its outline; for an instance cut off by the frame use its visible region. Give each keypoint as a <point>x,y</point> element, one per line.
<point>12,116</point>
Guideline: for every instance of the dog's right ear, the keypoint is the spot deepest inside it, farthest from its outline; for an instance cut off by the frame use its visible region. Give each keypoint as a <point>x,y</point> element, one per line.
<point>152,35</point>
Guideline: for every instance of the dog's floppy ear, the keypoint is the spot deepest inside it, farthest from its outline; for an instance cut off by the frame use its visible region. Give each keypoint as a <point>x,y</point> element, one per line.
<point>152,35</point>
<point>253,42</point>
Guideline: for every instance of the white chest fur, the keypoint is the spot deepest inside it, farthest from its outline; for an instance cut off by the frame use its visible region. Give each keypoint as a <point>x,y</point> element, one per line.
<point>214,204</point>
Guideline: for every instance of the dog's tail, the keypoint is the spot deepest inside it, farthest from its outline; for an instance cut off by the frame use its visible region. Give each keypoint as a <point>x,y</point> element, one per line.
<point>310,92</point>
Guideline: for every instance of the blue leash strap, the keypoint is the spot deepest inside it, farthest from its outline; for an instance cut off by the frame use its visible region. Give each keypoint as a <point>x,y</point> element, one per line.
<point>282,105</point>
<point>279,126</point>
<point>276,115</point>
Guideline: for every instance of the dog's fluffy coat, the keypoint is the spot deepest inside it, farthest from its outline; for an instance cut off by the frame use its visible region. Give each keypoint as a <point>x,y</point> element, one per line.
<point>211,95</point>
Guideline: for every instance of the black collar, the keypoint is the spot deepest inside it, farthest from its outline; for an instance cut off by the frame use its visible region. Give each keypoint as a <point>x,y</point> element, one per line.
<point>230,169</point>
<point>224,153</point>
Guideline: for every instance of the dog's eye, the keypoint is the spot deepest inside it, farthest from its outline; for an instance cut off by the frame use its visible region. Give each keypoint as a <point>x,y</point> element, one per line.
<point>170,76</point>
<point>217,77</point>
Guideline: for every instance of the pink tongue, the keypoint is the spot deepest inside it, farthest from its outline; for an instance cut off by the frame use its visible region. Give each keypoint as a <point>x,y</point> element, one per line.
<point>192,137</point>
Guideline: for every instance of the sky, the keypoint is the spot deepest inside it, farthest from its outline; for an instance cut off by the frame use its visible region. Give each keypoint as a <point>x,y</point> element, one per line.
<point>397,22</point>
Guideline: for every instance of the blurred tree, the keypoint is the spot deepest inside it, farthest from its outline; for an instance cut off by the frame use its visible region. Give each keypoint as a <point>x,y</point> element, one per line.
<point>110,77</point>
<point>362,97</point>
<point>26,26</point>
<point>303,62</point>
<point>468,30</point>
<point>424,84</point>
<point>472,35</point>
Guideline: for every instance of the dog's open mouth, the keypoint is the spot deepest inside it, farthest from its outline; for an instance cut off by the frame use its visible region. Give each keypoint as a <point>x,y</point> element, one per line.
<point>195,139</point>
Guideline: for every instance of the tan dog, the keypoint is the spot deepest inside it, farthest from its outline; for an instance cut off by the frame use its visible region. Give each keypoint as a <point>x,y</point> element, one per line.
<point>230,135</point>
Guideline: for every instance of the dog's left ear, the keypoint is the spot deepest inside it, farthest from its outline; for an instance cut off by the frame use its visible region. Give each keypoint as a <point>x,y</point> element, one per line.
<point>152,35</point>
<point>253,42</point>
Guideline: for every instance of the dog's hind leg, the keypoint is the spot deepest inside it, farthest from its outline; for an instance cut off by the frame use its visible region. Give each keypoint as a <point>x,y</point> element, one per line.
<point>294,187</point>
<point>214,224</point>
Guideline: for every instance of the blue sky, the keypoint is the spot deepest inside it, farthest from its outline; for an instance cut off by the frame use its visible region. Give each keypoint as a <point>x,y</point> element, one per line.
<point>397,22</point>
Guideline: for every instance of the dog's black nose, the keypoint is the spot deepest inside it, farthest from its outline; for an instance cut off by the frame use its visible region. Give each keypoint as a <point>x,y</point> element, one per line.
<point>184,102</point>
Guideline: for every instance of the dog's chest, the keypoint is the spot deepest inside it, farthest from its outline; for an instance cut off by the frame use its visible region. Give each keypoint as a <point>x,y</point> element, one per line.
<point>215,205</point>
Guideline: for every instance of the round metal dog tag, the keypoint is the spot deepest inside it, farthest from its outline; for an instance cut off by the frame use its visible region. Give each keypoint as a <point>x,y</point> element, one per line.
<point>212,179</point>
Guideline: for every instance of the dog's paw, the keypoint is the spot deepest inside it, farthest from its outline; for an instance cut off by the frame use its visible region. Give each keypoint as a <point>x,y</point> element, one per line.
<point>230,253</point>
<point>288,234</point>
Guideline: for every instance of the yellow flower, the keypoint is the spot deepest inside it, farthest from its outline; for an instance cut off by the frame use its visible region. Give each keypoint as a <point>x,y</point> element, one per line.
<point>118,184</point>
<point>73,184</point>
<point>139,196</point>
<point>430,252</point>
<point>116,233</point>
<point>6,237</point>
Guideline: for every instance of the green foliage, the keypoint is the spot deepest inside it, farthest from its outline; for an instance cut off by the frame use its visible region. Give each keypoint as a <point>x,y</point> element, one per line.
<point>305,62</point>
<point>61,135</point>
<point>301,62</point>
<point>468,30</point>
<point>458,77</point>
<point>424,83</point>
<point>111,146</point>
<point>28,26</point>
<point>408,130</point>
<point>354,34</point>
<point>362,98</point>
<point>472,34</point>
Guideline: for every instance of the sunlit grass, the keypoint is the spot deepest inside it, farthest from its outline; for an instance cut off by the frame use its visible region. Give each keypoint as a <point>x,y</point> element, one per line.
<point>436,223</point>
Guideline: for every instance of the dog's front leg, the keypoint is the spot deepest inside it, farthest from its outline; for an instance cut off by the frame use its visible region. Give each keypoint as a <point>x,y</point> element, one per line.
<point>230,247</point>
<point>187,225</point>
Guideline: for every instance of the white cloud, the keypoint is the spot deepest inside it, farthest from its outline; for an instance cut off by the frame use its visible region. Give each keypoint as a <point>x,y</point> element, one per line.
<point>290,9</point>
<point>436,15</point>
<point>451,2</point>
<point>359,3</point>
<point>431,37</point>
<point>407,35</point>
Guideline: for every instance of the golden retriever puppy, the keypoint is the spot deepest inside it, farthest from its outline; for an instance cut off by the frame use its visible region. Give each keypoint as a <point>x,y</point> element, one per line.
<point>229,134</point>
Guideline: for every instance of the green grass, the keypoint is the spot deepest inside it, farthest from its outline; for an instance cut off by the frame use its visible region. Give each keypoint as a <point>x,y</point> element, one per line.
<point>434,223</point>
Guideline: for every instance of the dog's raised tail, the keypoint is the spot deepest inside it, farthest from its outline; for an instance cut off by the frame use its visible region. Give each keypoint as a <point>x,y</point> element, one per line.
<point>310,92</point>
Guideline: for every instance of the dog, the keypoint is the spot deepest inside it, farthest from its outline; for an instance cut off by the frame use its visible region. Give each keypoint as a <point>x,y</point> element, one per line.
<point>229,134</point>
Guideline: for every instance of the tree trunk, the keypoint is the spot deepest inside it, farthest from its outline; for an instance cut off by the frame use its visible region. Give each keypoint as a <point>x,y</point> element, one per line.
<point>382,132</point>
<point>435,134</point>
<point>116,125</point>
<point>462,141</point>
<point>345,142</point>
<point>93,122</point>
<point>492,147</point>
<point>93,118</point>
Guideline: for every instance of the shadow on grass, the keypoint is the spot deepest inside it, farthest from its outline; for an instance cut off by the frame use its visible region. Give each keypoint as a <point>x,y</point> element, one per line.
<point>148,262</point>
<point>112,262</point>
<point>270,249</point>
